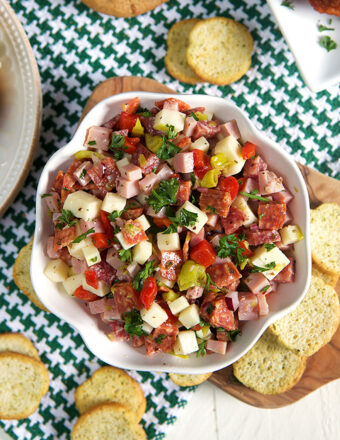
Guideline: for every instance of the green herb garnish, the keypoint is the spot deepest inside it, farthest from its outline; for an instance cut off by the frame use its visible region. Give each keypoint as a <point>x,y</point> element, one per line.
<point>133,323</point>
<point>287,4</point>
<point>269,246</point>
<point>142,275</point>
<point>263,269</point>
<point>227,246</point>
<point>92,143</point>
<point>232,334</point>
<point>83,174</point>
<point>201,349</point>
<point>172,133</point>
<point>164,195</point>
<point>265,288</point>
<point>210,308</point>
<point>65,219</point>
<point>144,112</point>
<point>45,195</point>
<point>322,28</point>
<point>82,237</point>
<point>167,150</point>
<point>212,209</point>
<point>193,115</point>
<point>328,43</point>
<point>117,146</point>
<point>125,255</point>
<point>186,218</point>
<point>252,195</point>
<point>159,339</point>
<point>115,214</point>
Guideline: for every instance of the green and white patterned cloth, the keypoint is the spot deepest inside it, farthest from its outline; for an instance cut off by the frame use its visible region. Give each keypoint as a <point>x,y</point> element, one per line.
<point>77,48</point>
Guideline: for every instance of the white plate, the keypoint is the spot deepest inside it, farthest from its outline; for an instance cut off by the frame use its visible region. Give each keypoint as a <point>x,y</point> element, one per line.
<point>21,119</point>
<point>319,69</point>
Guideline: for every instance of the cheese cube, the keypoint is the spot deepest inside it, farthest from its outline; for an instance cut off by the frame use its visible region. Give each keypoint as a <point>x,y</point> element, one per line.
<point>291,234</point>
<point>204,333</point>
<point>169,117</point>
<point>190,316</point>
<point>164,281</point>
<point>113,202</point>
<point>56,270</point>
<point>186,343</point>
<point>262,257</point>
<point>155,316</point>
<point>142,252</point>
<point>178,305</point>
<point>147,328</point>
<point>209,114</point>
<point>83,205</point>
<point>122,163</point>
<point>232,151</point>
<point>241,203</point>
<point>143,222</point>
<point>123,242</point>
<point>73,282</point>
<point>168,242</point>
<point>91,255</point>
<point>142,198</point>
<point>200,144</point>
<point>102,290</point>
<point>76,249</point>
<point>202,218</point>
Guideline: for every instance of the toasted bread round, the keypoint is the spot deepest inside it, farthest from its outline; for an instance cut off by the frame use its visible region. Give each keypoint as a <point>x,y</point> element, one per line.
<point>110,384</point>
<point>325,237</point>
<point>268,367</point>
<point>18,343</point>
<point>126,8</point>
<point>313,323</point>
<point>328,277</point>
<point>21,275</point>
<point>23,382</point>
<point>176,56</point>
<point>189,380</point>
<point>220,50</point>
<point>108,421</point>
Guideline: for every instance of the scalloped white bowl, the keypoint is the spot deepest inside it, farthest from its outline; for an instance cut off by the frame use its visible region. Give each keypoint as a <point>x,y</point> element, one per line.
<point>121,354</point>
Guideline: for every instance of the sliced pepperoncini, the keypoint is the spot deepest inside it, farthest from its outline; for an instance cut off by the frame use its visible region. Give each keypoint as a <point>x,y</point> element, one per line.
<point>86,154</point>
<point>138,129</point>
<point>219,161</point>
<point>153,143</point>
<point>210,179</point>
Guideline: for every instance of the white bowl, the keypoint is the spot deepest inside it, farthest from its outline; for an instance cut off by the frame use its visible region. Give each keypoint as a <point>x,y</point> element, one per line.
<point>121,354</point>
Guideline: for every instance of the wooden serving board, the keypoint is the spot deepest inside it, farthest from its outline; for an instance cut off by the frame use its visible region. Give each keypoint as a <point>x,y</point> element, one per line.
<point>322,367</point>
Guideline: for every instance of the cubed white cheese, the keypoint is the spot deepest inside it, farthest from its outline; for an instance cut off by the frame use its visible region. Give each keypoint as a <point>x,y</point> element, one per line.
<point>262,257</point>
<point>209,114</point>
<point>168,242</point>
<point>169,117</point>
<point>123,242</point>
<point>91,255</point>
<point>73,282</point>
<point>201,216</point>
<point>122,163</point>
<point>142,252</point>
<point>186,343</point>
<point>204,333</point>
<point>232,151</point>
<point>83,205</point>
<point>241,203</point>
<point>147,328</point>
<point>164,281</point>
<point>190,316</point>
<point>291,234</point>
<point>76,249</point>
<point>200,144</point>
<point>178,305</point>
<point>113,202</point>
<point>56,270</point>
<point>102,290</point>
<point>143,222</point>
<point>155,316</point>
<point>142,198</point>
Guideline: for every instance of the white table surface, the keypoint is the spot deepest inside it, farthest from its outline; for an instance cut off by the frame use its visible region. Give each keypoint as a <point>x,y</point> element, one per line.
<point>215,415</point>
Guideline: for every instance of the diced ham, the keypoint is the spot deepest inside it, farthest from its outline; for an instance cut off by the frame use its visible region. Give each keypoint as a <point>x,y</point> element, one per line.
<point>53,202</point>
<point>212,220</point>
<point>269,183</point>
<point>215,239</point>
<point>271,215</point>
<point>112,123</point>
<point>98,137</point>
<point>127,188</point>
<point>194,293</point>
<point>138,341</point>
<point>110,315</point>
<point>255,238</point>
<point>151,212</point>
<point>96,224</point>
<point>220,200</point>
<point>184,162</point>
<point>224,274</point>
<point>194,110</point>
<point>146,160</point>
<point>112,258</point>
<point>184,191</point>
<point>189,126</point>
<point>146,185</point>
<point>132,269</point>
<point>257,282</point>
<point>262,304</point>
<point>124,132</point>
<point>249,184</point>
<point>230,128</point>
<point>51,253</point>
<point>252,167</point>
<point>170,105</point>
<point>79,266</point>
<point>219,347</point>
<point>208,129</point>
<point>171,262</point>
<point>131,172</point>
<point>164,172</point>
<point>232,300</point>
<point>283,196</point>
<point>248,307</point>
<point>197,238</point>
<point>98,306</point>
<point>272,288</point>
<point>287,274</point>
<point>81,173</point>
<point>233,221</point>
<point>64,237</point>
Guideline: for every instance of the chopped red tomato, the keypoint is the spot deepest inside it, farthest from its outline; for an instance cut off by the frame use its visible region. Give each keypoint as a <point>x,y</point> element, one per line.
<point>201,163</point>
<point>198,158</point>
<point>104,217</point>
<point>248,150</point>
<point>161,222</point>
<point>131,143</point>
<point>131,106</point>
<point>183,142</point>
<point>203,253</point>
<point>148,292</point>
<point>84,294</point>
<point>91,278</point>
<point>101,240</point>
<point>182,106</point>
<point>127,121</point>
<point>246,251</point>
<point>172,319</point>
<point>133,232</point>
<point>229,184</point>
<point>63,237</point>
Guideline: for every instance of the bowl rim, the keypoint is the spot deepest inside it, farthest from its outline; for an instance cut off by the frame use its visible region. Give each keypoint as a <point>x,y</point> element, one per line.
<point>159,365</point>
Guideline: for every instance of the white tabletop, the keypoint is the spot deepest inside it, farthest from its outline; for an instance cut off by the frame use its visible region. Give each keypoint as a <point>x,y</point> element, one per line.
<point>215,415</point>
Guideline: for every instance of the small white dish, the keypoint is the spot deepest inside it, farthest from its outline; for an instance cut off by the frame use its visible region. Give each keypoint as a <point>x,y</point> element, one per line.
<point>121,354</point>
<point>319,69</point>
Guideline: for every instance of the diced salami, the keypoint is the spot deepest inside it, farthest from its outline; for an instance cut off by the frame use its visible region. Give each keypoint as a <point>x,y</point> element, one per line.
<point>126,298</point>
<point>194,293</point>
<point>64,237</point>
<point>144,159</point>
<point>224,274</point>
<point>133,232</point>
<point>269,183</point>
<point>138,341</point>
<point>215,311</point>
<point>208,129</point>
<point>112,123</point>
<point>147,123</point>
<point>184,191</point>
<point>181,105</point>
<point>255,238</point>
<point>117,332</point>
<point>132,211</point>
<point>171,262</point>
<point>271,215</point>
<point>163,339</point>
<point>194,110</point>
<point>287,274</point>
<point>252,167</point>
<point>104,271</point>
<point>104,174</point>
<point>233,221</point>
<point>58,182</point>
<point>220,200</point>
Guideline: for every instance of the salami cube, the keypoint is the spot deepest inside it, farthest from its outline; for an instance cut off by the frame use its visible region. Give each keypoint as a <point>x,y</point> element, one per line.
<point>220,200</point>
<point>252,167</point>
<point>255,238</point>
<point>63,237</point>
<point>144,159</point>
<point>224,274</point>
<point>184,191</point>
<point>214,310</point>
<point>133,232</point>
<point>234,220</point>
<point>271,215</point>
<point>257,282</point>
<point>208,129</point>
<point>125,298</point>
<point>269,183</point>
<point>248,307</point>
<point>286,275</point>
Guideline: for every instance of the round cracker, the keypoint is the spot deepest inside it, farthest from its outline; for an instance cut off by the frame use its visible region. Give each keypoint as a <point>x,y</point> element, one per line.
<point>220,50</point>
<point>18,343</point>
<point>189,380</point>
<point>176,56</point>
<point>126,8</point>
<point>23,383</point>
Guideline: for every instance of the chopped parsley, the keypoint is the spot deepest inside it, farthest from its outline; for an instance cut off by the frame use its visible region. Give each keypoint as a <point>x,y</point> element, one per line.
<point>45,195</point>
<point>322,28</point>
<point>133,323</point>
<point>252,195</point>
<point>227,246</point>
<point>210,281</point>
<point>164,195</point>
<point>118,146</point>
<point>172,133</point>
<point>193,115</point>
<point>210,308</point>
<point>83,174</point>
<point>92,143</point>
<point>212,209</point>
<point>94,259</point>
<point>125,255</point>
<point>201,349</point>
<point>82,237</point>
<point>66,219</point>
<point>328,43</point>
<point>159,339</point>
<point>265,268</point>
<point>261,215</point>
<point>193,178</point>
<point>168,149</point>
<point>265,288</point>
<point>269,246</point>
<point>231,334</point>
<point>115,214</point>
<point>142,275</point>
<point>287,4</point>
<point>186,218</point>
<point>144,112</point>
